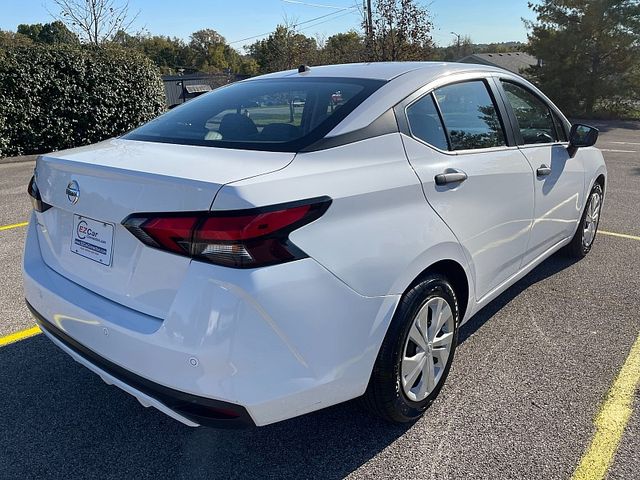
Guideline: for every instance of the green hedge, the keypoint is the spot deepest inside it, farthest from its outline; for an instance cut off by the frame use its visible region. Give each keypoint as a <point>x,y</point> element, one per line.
<point>55,97</point>
<point>4,144</point>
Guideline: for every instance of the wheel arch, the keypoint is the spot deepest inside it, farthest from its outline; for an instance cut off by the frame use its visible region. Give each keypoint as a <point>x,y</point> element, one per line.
<point>595,170</point>
<point>456,274</point>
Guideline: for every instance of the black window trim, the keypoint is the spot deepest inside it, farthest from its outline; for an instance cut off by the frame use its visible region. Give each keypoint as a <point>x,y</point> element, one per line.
<point>488,78</point>
<point>385,124</point>
<point>556,114</point>
<point>559,126</point>
<point>441,117</point>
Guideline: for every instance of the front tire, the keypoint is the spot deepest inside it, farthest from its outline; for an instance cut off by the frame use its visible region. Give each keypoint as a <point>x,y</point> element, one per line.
<point>584,237</point>
<point>417,352</point>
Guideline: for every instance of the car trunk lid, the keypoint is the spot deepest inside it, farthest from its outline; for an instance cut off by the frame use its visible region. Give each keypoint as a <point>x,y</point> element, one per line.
<point>92,189</point>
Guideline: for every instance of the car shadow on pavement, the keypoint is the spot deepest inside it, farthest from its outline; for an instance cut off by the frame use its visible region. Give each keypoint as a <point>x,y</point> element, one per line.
<point>59,420</point>
<point>554,264</point>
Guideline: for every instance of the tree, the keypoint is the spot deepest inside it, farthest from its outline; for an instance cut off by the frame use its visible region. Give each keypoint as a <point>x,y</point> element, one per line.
<point>401,30</point>
<point>459,48</point>
<point>49,33</point>
<point>169,54</point>
<point>248,66</point>
<point>95,21</point>
<point>207,51</point>
<point>590,53</point>
<point>343,48</point>
<point>210,50</point>
<point>32,31</point>
<point>283,49</point>
<point>12,39</point>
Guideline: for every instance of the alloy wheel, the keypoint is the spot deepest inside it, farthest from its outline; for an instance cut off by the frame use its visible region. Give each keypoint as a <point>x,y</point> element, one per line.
<point>427,349</point>
<point>591,220</point>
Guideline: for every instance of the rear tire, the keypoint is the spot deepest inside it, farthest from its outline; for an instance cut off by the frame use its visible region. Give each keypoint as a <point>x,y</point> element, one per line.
<point>584,237</point>
<point>417,352</point>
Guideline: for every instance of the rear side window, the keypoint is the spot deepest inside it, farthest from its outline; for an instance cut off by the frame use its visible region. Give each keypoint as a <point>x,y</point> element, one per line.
<point>284,114</point>
<point>424,123</point>
<point>470,116</point>
<point>534,116</point>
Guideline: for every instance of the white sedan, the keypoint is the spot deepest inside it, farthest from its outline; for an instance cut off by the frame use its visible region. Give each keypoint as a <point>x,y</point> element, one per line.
<point>238,261</point>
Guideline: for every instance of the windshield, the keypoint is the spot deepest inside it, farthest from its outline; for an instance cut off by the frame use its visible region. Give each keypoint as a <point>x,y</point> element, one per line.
<point>284,114</point>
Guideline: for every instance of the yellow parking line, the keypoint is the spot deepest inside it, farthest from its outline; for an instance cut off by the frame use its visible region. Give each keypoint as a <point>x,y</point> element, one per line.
<point>21,335</point>
<point>15,225</point>
<point>620,235</point>
<point>611,420</point>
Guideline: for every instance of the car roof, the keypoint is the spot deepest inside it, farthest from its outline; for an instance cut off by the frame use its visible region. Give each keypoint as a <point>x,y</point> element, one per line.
<point>401,80</point>
<point>382,70</point>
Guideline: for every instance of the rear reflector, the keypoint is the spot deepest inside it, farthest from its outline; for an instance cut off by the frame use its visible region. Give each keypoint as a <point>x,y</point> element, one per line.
<point>239,238</point>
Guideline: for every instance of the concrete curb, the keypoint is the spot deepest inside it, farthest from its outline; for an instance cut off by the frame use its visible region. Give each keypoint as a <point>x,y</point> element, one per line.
<point>21,159</point>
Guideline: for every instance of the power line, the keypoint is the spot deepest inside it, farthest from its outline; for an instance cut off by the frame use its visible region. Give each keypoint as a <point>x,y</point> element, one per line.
<point>318,5</point>
<point>251,38</point>
<point>325,21</point>
<point>295,25</point>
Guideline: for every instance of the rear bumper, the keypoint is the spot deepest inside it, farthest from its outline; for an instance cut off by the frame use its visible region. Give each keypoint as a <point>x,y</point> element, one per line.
<point>191,410</point>
<point>261,345</point>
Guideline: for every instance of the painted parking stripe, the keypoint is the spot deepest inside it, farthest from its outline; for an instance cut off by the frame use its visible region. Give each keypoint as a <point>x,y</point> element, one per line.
<point>617,151</point>
<point>619,235</point>
<point>611,420</point>
<point>21,335</point>
<point>15,225</point>
<point>624,143</point>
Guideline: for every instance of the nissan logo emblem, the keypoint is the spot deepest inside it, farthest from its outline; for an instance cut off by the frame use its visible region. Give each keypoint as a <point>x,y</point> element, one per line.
<point>73,192</point>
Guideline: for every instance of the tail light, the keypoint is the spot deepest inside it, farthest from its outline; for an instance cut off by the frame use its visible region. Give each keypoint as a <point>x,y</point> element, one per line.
<point>36,199</point>
<point>234,238</point>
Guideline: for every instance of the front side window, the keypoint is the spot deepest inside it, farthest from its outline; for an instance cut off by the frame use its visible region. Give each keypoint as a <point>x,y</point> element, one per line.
<point>470,116</point>
<point>272,114</point>
<point>534,117</point>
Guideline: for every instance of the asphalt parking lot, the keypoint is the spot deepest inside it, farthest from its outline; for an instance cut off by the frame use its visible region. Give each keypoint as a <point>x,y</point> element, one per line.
<point>530,376</point>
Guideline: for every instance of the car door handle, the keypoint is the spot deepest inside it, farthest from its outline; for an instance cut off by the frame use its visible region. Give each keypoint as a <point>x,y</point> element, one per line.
<point>450,176</point>
<point>543,171</point>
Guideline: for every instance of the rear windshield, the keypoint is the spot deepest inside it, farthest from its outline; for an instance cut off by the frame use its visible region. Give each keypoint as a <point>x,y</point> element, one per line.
<point>272,114</point>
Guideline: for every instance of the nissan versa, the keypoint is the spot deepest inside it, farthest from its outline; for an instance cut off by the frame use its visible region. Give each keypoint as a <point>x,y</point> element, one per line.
<point>303,238</point>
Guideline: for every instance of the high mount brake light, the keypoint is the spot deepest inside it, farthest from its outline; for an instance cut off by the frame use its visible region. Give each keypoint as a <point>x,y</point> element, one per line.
<point>234,238</point>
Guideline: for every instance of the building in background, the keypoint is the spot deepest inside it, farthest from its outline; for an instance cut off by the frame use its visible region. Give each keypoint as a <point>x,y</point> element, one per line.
<point>180,88</point>
<point>515,62</point>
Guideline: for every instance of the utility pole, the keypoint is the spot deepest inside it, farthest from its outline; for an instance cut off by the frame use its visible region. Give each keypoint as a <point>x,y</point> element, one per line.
<point>368,18</point>
<point>368,29</point>
<point>458,43</point>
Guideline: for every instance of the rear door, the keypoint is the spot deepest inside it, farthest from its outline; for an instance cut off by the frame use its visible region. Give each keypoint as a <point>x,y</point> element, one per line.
<point>558,179</point>
<point>472,175</point>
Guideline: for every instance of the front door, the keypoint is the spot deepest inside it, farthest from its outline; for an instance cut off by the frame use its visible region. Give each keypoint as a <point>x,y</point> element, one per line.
<point>558,179</point>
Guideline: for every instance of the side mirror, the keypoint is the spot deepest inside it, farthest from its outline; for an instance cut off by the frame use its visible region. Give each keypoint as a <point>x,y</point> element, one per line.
<point>581,136</point>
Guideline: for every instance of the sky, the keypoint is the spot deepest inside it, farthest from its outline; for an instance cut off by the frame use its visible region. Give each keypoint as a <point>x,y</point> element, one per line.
<point>485,21</point>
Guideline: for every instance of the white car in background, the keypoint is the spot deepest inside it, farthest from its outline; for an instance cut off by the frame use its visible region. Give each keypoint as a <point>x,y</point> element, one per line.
<point>237,261</point>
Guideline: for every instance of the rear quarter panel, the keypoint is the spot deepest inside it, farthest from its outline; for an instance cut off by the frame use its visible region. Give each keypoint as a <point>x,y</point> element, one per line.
<point>379,233</point>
